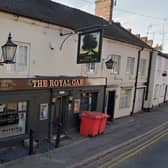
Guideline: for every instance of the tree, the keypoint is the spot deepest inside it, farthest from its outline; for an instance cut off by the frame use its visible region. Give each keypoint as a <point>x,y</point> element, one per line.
<point>89,43</point>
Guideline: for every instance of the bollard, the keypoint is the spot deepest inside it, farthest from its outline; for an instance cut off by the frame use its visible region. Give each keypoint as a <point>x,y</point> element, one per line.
<point>57,141</point>
<point>31,147</point>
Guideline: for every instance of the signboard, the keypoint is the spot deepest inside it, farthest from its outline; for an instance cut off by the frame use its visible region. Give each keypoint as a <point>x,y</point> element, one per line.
<point>89,47</point>
<point>43,83</point>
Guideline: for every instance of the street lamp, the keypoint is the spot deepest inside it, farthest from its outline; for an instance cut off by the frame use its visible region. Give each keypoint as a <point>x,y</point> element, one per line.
<point>8,51</point>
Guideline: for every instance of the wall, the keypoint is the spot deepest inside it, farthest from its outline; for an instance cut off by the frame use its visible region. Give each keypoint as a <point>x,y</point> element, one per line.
<point>123,79</point>
<point>159,65</point>
<point>39,36</point>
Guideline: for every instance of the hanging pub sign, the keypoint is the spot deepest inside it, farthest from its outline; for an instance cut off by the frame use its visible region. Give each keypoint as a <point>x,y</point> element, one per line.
<point>89,47</point>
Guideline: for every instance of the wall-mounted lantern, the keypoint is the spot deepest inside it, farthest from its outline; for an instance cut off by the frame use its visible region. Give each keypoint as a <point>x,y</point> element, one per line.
<point>164,73</point>
<point>8,51</point>
<point>109,63</point>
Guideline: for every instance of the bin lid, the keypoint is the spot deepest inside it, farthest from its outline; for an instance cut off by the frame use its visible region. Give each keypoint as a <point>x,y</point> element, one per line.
<point>93,114</point>
<point>102,114</point>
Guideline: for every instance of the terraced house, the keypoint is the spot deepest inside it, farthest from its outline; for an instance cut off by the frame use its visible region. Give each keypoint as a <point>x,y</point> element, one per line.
<point>46,85</point>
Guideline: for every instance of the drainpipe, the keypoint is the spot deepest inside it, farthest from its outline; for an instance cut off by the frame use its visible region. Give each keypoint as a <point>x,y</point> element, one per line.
<point>104,98</point>
<point>50,114</point>
<point>136,80</point>
<point>149,75</point>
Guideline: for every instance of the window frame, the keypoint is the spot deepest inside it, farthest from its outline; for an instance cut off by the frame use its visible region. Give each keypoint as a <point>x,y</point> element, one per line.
<point>127,98</point>
<point>116,64</point>
<point>143,67</point>
<point>130,64</point>
<point>14,68</point>
<point>91,68</point>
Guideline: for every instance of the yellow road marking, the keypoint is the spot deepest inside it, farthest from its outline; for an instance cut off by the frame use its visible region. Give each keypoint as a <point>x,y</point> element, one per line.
<point>134,151</point>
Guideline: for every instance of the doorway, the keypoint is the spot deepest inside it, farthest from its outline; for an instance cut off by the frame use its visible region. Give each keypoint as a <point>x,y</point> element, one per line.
<point>60,112</point>
<point>111,105</point>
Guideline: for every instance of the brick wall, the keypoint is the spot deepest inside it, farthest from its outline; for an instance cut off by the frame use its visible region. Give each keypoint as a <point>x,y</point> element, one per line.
<point>104,9</point>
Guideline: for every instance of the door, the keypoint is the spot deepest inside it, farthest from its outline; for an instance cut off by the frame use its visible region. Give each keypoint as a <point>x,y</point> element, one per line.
<point>60,112</point>
<point>111,104</point>
<point>139,100</point>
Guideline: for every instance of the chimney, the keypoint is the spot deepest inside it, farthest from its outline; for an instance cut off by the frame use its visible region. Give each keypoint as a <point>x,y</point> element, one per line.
<point>150,42</point>
<point>138,35</point>
<point>129,30</point>
<point>144,39</point>
<point>158,47</point>
<point>104,9</point>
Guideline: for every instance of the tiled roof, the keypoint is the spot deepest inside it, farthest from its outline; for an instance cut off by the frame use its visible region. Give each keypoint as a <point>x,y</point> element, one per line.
<point>58,14</point>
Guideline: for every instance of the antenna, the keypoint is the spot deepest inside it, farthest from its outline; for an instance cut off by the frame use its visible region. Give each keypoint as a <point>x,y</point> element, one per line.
<point>163,32</point>
<point>148,29</point>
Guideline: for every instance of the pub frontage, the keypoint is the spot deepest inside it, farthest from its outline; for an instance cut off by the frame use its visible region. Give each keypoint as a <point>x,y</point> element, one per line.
<point>41,103</point>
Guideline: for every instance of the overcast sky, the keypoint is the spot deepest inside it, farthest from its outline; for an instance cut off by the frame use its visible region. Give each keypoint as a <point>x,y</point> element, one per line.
<point>145,17</point>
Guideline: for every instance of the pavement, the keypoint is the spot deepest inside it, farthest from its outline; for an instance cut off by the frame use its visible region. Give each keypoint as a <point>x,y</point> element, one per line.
<point>78,150</point>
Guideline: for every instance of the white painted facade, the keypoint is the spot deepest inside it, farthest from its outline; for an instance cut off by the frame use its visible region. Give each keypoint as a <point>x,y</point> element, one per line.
<point>157,92</point>
<point>44,58</point>
<point>43,41</point>
<point>123,80</point>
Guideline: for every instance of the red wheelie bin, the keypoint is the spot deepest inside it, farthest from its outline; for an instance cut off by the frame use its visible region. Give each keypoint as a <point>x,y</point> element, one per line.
<point>90,123</point>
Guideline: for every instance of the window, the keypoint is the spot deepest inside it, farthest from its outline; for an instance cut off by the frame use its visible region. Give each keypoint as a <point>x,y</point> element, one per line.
<point>142,67</point>
<point>12,119</point>
<point>21,59</point>
<point>125,98</point>
<point>130,65</point>
<point>156,91</point>
<point>116,64</point>
<point>162,90</point>
<point>91,67</point>
<point>88,101</point>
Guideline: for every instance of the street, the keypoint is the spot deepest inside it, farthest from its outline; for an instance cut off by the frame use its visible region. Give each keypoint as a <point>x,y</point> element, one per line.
<point>122,140</point>
<point>154,156</point>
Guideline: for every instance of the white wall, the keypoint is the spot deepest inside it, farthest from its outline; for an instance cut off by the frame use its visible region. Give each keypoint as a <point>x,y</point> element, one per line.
<point>123,79</point>
<point>159,65</point>
<point>42,60</point>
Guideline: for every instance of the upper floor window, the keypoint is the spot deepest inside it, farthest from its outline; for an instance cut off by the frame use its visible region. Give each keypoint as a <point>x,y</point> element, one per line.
<point>130,65</point>
<point>142,67</point>
<point>91,68</point>
<point>21,59</point>
<point>116,65</point>
<point>156,91</point>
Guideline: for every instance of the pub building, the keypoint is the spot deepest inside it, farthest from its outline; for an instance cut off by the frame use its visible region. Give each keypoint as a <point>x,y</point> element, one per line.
<point>40,103</point>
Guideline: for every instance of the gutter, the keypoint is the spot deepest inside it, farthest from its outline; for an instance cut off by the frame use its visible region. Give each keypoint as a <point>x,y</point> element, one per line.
<point>136,80</point>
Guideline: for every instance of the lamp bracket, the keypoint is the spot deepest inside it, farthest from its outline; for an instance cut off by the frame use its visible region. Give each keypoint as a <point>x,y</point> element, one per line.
<point>67,36</point>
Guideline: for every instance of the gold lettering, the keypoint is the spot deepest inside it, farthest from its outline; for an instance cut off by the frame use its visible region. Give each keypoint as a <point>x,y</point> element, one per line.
<point>60,83</point>
<point>51,83</point>
<point>45,83</point>
<point>56,83</point>
<point>34,83</point>
<point>78,82</point>
<point>39,83</point>
<point>74,83</point>
<point>64,83</point>
<point>68,83</point>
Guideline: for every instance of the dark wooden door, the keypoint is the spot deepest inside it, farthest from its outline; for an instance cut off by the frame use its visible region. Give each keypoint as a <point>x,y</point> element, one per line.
<point>111,104</point>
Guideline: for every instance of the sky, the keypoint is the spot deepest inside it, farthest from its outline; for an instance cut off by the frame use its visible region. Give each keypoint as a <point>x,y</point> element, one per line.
<point>145,17</point>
